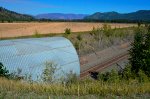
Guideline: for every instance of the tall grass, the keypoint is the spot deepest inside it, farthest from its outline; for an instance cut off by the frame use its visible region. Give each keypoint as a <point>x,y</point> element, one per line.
<point>100,38</point>
<point>83,87</point>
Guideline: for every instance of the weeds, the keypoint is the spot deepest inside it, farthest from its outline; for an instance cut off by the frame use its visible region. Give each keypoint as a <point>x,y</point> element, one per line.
<point>67,32</point>
<point>77,45</point>
<point>36,34</point>
<point>79,37</point>
<point>48,74</point>
<point>107,30</point>
<point>84,87</point>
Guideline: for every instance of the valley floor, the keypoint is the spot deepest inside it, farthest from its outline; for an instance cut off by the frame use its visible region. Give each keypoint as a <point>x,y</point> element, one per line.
<point>28,29</point>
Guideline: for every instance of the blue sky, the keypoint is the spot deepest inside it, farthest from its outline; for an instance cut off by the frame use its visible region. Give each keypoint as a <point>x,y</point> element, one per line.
<point>34,7</point>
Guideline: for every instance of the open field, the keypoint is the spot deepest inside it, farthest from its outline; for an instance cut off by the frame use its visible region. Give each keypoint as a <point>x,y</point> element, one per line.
<point>26,29</point>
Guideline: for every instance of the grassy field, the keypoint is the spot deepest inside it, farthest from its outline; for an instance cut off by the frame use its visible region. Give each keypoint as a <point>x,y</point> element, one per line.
<point>15,89</point>
<point>25,29</point>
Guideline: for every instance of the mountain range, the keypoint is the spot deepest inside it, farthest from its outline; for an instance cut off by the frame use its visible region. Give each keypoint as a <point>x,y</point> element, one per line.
<point>60,16</point>
<point>7,15</point>
<point>141,15</point>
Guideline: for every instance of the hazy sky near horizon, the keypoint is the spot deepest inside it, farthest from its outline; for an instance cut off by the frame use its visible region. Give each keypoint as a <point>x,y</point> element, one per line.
<point>34,7</point>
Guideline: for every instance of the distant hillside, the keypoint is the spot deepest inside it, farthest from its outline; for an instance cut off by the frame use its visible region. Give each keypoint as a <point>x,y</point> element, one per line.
<point>60,16</point>
<point>7,15</point>
<point>143,15</point>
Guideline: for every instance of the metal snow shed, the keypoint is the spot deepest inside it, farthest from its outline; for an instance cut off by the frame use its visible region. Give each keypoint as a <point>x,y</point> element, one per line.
<point>30,55</point>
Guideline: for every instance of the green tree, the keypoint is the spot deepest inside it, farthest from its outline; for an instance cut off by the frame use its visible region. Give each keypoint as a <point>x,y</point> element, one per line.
<point>146,54</point>
<point>136,52</point>
<point>67,31</point>
<point>3,71</point>
<point>140,53</point>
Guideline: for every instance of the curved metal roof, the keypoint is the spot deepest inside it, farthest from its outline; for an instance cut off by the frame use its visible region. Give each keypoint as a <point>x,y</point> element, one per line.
<point>30,55</point>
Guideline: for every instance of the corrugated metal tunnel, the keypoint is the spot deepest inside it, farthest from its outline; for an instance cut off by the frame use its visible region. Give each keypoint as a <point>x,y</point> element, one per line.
<point>30,55</point>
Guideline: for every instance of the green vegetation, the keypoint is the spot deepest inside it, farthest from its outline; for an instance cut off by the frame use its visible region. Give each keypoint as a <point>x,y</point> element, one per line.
<point>36,34</point>
<point>67,31</point>
<point>140,52</point>
<point>139,60</point>
<point>10,16</point>
<point>49,71</point>
<point>138,16</point>
<point>100,38</point>
<point>85,87</point>
<point>79,37</point>
<point>3,71</point>
<point>107,30</point>
<point>131,82</point>
<point>95,40</point>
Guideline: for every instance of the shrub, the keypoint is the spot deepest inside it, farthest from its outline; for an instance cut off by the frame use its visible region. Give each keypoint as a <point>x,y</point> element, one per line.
<point>107,30</point>
<point>112,76</point>
<point>146,25</point>
<point>142,77</point>
<point>104,76</point>
<point>79,37</point>
<point>136,52</point>
<point>36,34</point>
<point>3,71</point>
<point>94,31</point>
<point>140,52</point>
<point>71,78</point>
<point>48,75</point>
<point>139,24</point>
<point>77,46</point>
<point>67,31</point>
<point>16,75</point>
<point>126,73</point>
<point>146,56</point>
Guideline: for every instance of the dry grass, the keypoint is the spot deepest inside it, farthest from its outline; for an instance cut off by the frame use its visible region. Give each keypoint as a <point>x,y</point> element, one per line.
<point>26,29</point>
<point>86,87</point>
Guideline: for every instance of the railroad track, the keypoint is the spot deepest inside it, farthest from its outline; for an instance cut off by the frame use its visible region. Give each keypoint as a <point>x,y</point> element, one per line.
<point>105,64</point>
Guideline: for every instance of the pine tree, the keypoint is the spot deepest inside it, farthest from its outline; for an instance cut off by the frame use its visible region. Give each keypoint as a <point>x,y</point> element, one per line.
<point>136,52</point>
<point>140,53</point>
<point>146,59</point>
